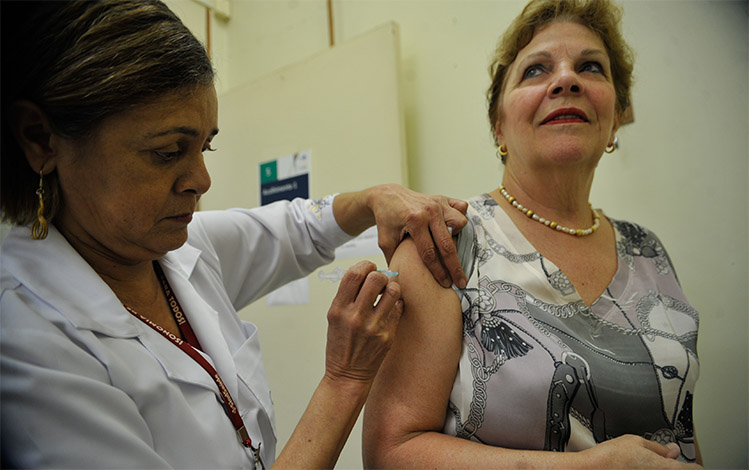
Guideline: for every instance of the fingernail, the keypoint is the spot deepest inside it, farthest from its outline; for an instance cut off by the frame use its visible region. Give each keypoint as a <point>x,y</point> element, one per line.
<point>674,450</point>
<point>387,272</point>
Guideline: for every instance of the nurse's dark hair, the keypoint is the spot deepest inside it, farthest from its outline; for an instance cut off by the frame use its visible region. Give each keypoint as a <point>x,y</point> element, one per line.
<point>81,62</point>
<point>603,17</point>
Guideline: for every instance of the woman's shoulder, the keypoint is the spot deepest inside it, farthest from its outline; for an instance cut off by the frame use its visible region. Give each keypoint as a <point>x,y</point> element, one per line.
<point>632,233</point>
<point>635,241</point>
<point>481,200</point>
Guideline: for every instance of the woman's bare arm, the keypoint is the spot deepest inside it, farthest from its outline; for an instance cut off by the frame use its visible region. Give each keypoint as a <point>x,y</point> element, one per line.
<point>409,396</point>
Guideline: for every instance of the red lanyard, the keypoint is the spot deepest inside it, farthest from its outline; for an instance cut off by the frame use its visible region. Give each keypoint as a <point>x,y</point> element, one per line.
<point>177,312</point>
<point>189,334</point>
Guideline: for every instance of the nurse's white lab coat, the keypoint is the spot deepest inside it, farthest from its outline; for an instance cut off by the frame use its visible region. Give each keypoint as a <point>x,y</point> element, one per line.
<point>87,385</point>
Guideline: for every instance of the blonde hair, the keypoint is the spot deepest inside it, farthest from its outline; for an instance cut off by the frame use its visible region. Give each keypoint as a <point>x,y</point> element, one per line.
<point>603,17</point>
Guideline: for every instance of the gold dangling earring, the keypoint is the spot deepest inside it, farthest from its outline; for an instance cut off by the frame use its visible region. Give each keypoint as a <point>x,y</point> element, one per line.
<point>39,228</point>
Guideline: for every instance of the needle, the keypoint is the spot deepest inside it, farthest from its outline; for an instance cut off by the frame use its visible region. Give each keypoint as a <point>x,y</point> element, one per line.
<point>337,274</point>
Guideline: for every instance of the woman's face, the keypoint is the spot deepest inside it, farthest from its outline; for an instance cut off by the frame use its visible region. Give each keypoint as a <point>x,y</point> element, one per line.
<point>130,189</point>
<point>558,105</point>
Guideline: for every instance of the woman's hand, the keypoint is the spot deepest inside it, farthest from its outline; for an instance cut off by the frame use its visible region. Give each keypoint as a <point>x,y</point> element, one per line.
<point>633,452</point>
<point>398,212</point>
<point>359,332</point>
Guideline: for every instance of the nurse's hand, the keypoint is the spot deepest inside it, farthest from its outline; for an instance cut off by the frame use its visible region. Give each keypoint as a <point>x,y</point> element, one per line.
<point>398,212</point>
<point>360,333</point>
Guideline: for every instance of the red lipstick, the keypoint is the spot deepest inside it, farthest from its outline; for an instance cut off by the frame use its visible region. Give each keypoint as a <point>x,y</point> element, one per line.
<point>565,116</point>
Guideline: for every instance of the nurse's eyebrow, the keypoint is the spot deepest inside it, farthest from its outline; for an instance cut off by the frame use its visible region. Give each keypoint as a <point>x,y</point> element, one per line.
<point>185,130</point>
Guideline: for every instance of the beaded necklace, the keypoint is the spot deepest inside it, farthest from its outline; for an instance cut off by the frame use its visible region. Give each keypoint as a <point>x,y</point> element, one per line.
<point>550,223</point>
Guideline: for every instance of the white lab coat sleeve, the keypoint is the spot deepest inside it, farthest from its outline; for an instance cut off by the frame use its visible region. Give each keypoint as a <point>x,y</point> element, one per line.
<point>59,407</point>
<point>261,249</point>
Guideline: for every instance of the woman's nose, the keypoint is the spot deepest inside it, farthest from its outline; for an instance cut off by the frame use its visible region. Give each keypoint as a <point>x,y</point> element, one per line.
<point>565,81</point>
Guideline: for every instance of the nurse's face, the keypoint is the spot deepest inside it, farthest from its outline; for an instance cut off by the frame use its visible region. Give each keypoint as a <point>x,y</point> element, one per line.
<point>130,189</point>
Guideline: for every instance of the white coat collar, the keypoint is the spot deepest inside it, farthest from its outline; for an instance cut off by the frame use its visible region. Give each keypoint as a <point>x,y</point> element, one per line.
<point>54,271</point>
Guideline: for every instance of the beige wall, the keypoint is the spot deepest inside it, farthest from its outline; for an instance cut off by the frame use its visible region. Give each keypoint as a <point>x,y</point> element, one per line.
<point>682,169</point>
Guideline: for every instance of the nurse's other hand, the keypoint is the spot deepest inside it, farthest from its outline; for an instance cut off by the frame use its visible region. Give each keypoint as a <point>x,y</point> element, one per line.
<point>399,212</point>
<point>633,452</point>
<point>359,332</point>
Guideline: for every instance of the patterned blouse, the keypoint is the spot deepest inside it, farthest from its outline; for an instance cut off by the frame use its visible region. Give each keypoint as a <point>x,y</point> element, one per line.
<point>541,370</point>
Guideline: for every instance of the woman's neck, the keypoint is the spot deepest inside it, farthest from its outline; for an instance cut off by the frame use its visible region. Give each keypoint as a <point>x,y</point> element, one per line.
<point>560,195</point>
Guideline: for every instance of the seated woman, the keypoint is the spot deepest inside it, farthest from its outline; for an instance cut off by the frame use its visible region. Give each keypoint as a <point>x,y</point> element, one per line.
<point>573,345</point>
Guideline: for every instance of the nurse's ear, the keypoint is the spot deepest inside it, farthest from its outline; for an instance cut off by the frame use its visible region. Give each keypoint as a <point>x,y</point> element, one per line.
<point>35,136</point>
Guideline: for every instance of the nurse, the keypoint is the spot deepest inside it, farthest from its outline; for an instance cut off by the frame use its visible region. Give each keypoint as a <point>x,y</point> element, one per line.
<point>121,344</point>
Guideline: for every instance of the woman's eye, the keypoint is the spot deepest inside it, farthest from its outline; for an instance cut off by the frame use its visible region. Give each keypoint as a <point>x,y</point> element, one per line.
<point>532,71</point>
<point>593,67</point>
